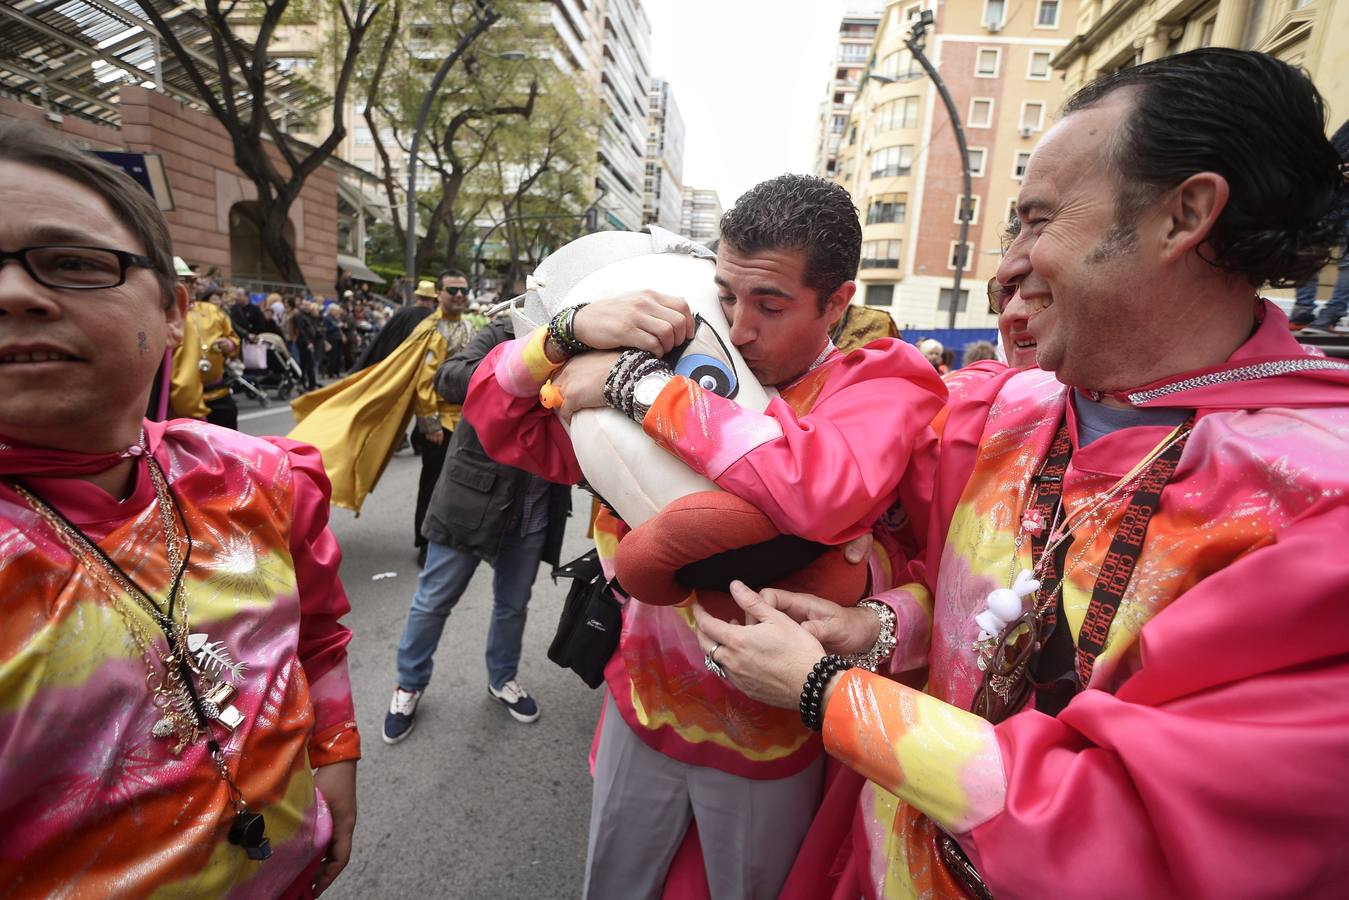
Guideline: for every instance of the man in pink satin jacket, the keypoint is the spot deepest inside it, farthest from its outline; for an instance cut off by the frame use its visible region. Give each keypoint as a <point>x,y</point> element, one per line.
<point>175,713</point>
<point>825,459</point>
<point>1133,618</point>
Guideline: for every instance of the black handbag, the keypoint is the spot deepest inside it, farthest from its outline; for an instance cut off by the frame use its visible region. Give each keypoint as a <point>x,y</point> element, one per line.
<point>592,618</point>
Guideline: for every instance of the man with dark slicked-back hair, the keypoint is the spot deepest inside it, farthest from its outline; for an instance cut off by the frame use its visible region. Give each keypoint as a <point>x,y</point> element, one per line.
<point>1132,615</point>
<point>824,461</point>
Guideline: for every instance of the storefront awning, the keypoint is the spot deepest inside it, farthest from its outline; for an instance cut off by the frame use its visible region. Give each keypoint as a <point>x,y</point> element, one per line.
<point>357,269</point>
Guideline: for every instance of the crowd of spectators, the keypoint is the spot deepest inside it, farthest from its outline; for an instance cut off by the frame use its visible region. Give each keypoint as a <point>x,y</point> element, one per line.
<point>324,335</point>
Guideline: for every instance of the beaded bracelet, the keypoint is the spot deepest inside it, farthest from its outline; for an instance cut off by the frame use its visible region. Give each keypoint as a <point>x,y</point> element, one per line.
<point>885,640</point>
<point>812,692</point>
<point>560,329</point>
<point>618,377</point>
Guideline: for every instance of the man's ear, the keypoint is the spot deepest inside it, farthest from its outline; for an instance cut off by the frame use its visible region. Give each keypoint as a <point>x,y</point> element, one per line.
<point>1190,212</point>
<point>838,301</point>
<point>175,315</point>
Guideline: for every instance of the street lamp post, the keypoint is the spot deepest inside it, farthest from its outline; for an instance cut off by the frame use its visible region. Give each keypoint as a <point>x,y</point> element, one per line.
<point>915,40</point>
<point>485,21</point>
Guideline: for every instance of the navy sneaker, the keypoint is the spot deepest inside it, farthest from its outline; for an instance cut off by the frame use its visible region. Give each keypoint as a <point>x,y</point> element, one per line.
<point>521,706</point>
<point>402,715</point>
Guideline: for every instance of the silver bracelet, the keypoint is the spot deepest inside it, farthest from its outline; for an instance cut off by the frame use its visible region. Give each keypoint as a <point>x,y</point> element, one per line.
<point>885,641</point>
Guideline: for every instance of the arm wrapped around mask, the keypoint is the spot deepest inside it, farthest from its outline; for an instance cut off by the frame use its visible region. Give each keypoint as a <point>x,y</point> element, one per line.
<point>620,388</point>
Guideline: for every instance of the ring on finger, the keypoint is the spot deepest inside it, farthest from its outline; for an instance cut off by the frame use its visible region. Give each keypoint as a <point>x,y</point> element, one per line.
<point>710,662</point>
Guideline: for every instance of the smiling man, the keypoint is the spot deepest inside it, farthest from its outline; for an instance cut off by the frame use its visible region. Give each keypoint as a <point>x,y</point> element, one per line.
<point>823,462</point>
<point>175,715</point>
<point>1136,650</point>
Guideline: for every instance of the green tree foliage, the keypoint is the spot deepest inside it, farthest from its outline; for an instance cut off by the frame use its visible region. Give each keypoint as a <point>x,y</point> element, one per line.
<point>233,73</point>
<point>508,133</point>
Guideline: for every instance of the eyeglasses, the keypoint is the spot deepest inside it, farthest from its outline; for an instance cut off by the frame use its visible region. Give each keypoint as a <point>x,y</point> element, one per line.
<point>999,295</point>
<point>455,290</point>
<point>73,267</point>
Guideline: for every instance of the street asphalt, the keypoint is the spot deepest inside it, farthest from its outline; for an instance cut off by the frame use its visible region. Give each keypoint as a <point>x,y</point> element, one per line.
<point>472,804</point>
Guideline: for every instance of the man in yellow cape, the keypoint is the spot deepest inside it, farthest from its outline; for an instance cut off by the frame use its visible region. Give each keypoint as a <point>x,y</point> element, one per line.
<point>358,422</point>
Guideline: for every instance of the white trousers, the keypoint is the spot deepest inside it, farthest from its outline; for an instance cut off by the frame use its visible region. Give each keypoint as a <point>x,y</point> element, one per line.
<point>750,830</point>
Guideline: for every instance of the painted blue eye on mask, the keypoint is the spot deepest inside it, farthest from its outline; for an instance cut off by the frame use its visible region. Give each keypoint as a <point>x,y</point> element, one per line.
<point>709,374</point>
<point>706,361</point>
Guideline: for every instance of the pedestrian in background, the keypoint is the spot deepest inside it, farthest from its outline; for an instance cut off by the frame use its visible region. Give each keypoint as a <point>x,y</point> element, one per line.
<point>516,522</point>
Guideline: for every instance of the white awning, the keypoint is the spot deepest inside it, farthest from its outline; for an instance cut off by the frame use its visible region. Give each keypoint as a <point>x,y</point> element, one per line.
<point>357,269</point>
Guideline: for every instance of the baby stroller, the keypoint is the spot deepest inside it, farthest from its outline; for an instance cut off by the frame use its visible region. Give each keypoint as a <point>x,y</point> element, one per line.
<point>268,365</point>
<point>236,377</point>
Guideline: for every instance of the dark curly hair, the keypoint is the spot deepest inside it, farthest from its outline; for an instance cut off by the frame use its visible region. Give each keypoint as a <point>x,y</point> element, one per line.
<point>800,212</point>
<point>1259,123</point>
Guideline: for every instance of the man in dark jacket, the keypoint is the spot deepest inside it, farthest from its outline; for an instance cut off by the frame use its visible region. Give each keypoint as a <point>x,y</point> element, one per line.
<point>480,510</point>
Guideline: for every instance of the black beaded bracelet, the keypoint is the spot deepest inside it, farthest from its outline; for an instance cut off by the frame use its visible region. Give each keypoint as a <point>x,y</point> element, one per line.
<point>812,692</point>
<point>618,377</point>
<point>560,330</point>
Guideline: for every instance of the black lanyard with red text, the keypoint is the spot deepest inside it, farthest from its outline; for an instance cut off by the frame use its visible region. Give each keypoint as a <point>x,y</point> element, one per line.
<point>1057,653</point>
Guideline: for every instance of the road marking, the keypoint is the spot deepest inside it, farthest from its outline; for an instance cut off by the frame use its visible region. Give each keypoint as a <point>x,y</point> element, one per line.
<point>258,414</point>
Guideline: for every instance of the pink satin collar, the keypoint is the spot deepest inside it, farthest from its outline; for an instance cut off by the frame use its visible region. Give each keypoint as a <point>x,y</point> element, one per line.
<point>27,461</point>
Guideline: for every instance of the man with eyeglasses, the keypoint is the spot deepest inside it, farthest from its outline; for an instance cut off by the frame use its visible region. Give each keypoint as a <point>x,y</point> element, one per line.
<point>175,713</point>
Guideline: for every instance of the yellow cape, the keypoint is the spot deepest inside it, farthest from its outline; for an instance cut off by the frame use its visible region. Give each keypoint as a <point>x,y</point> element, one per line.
<point>356,423</point>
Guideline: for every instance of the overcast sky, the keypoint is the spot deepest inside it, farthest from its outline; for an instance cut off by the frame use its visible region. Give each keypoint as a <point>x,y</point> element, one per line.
<point>748,76</point>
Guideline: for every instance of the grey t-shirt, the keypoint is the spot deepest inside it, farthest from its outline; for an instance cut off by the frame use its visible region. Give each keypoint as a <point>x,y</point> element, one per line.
<point>1096,420</point>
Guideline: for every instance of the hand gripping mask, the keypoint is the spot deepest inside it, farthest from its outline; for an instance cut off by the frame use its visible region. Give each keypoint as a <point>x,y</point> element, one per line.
<point>688,534</point>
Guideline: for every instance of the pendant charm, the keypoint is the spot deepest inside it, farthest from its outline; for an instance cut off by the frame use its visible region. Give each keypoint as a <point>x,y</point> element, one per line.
<point>1004,606</point>
<point>249,831</point>
<point>213,658</point>
<point>216,705</point>
<point>1033,522</point>
<point>163,728</point>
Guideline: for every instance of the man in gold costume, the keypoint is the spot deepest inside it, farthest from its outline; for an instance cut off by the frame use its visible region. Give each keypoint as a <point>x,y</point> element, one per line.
<point>198,389</point>
<point>358,421</point>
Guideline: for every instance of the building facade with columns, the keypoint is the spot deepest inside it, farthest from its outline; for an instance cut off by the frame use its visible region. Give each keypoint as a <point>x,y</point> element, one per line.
<point>899,158</point>
<point>1112,34</point>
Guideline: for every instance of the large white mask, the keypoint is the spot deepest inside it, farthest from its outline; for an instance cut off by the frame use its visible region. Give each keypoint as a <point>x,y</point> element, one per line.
<point>624,466</point>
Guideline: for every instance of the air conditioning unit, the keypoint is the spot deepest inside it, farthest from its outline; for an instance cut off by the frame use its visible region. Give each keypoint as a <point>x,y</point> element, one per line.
<point>1027,132</point>
<point>994,27</point>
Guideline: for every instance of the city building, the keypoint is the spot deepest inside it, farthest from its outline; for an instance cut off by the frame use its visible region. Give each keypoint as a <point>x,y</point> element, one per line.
<point>700,219</point>
<point>604,47</point>
<point>855,33</point>
<point>99,74</point>
<point>570,34</point>
<point>899,158</point>
<point>625,80</point>
<point>1109,36</point>
<point>663,202</point>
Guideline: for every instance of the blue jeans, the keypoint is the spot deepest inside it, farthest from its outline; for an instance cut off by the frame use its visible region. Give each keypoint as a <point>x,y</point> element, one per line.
<point>442,582</point>
<point>1336,306</point>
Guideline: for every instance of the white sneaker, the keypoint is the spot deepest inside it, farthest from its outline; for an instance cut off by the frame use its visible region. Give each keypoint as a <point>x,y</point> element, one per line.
<point>402,715</point>
<point>521,706</point>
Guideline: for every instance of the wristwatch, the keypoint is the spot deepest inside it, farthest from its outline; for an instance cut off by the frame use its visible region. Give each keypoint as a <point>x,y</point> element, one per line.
<point>645,392</point>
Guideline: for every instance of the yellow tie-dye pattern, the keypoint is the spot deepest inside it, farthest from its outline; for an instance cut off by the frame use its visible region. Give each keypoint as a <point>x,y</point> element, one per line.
<point>532,354</point>
<point>933,752</point>
<point>69,651</point>
<point>223,870</point>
